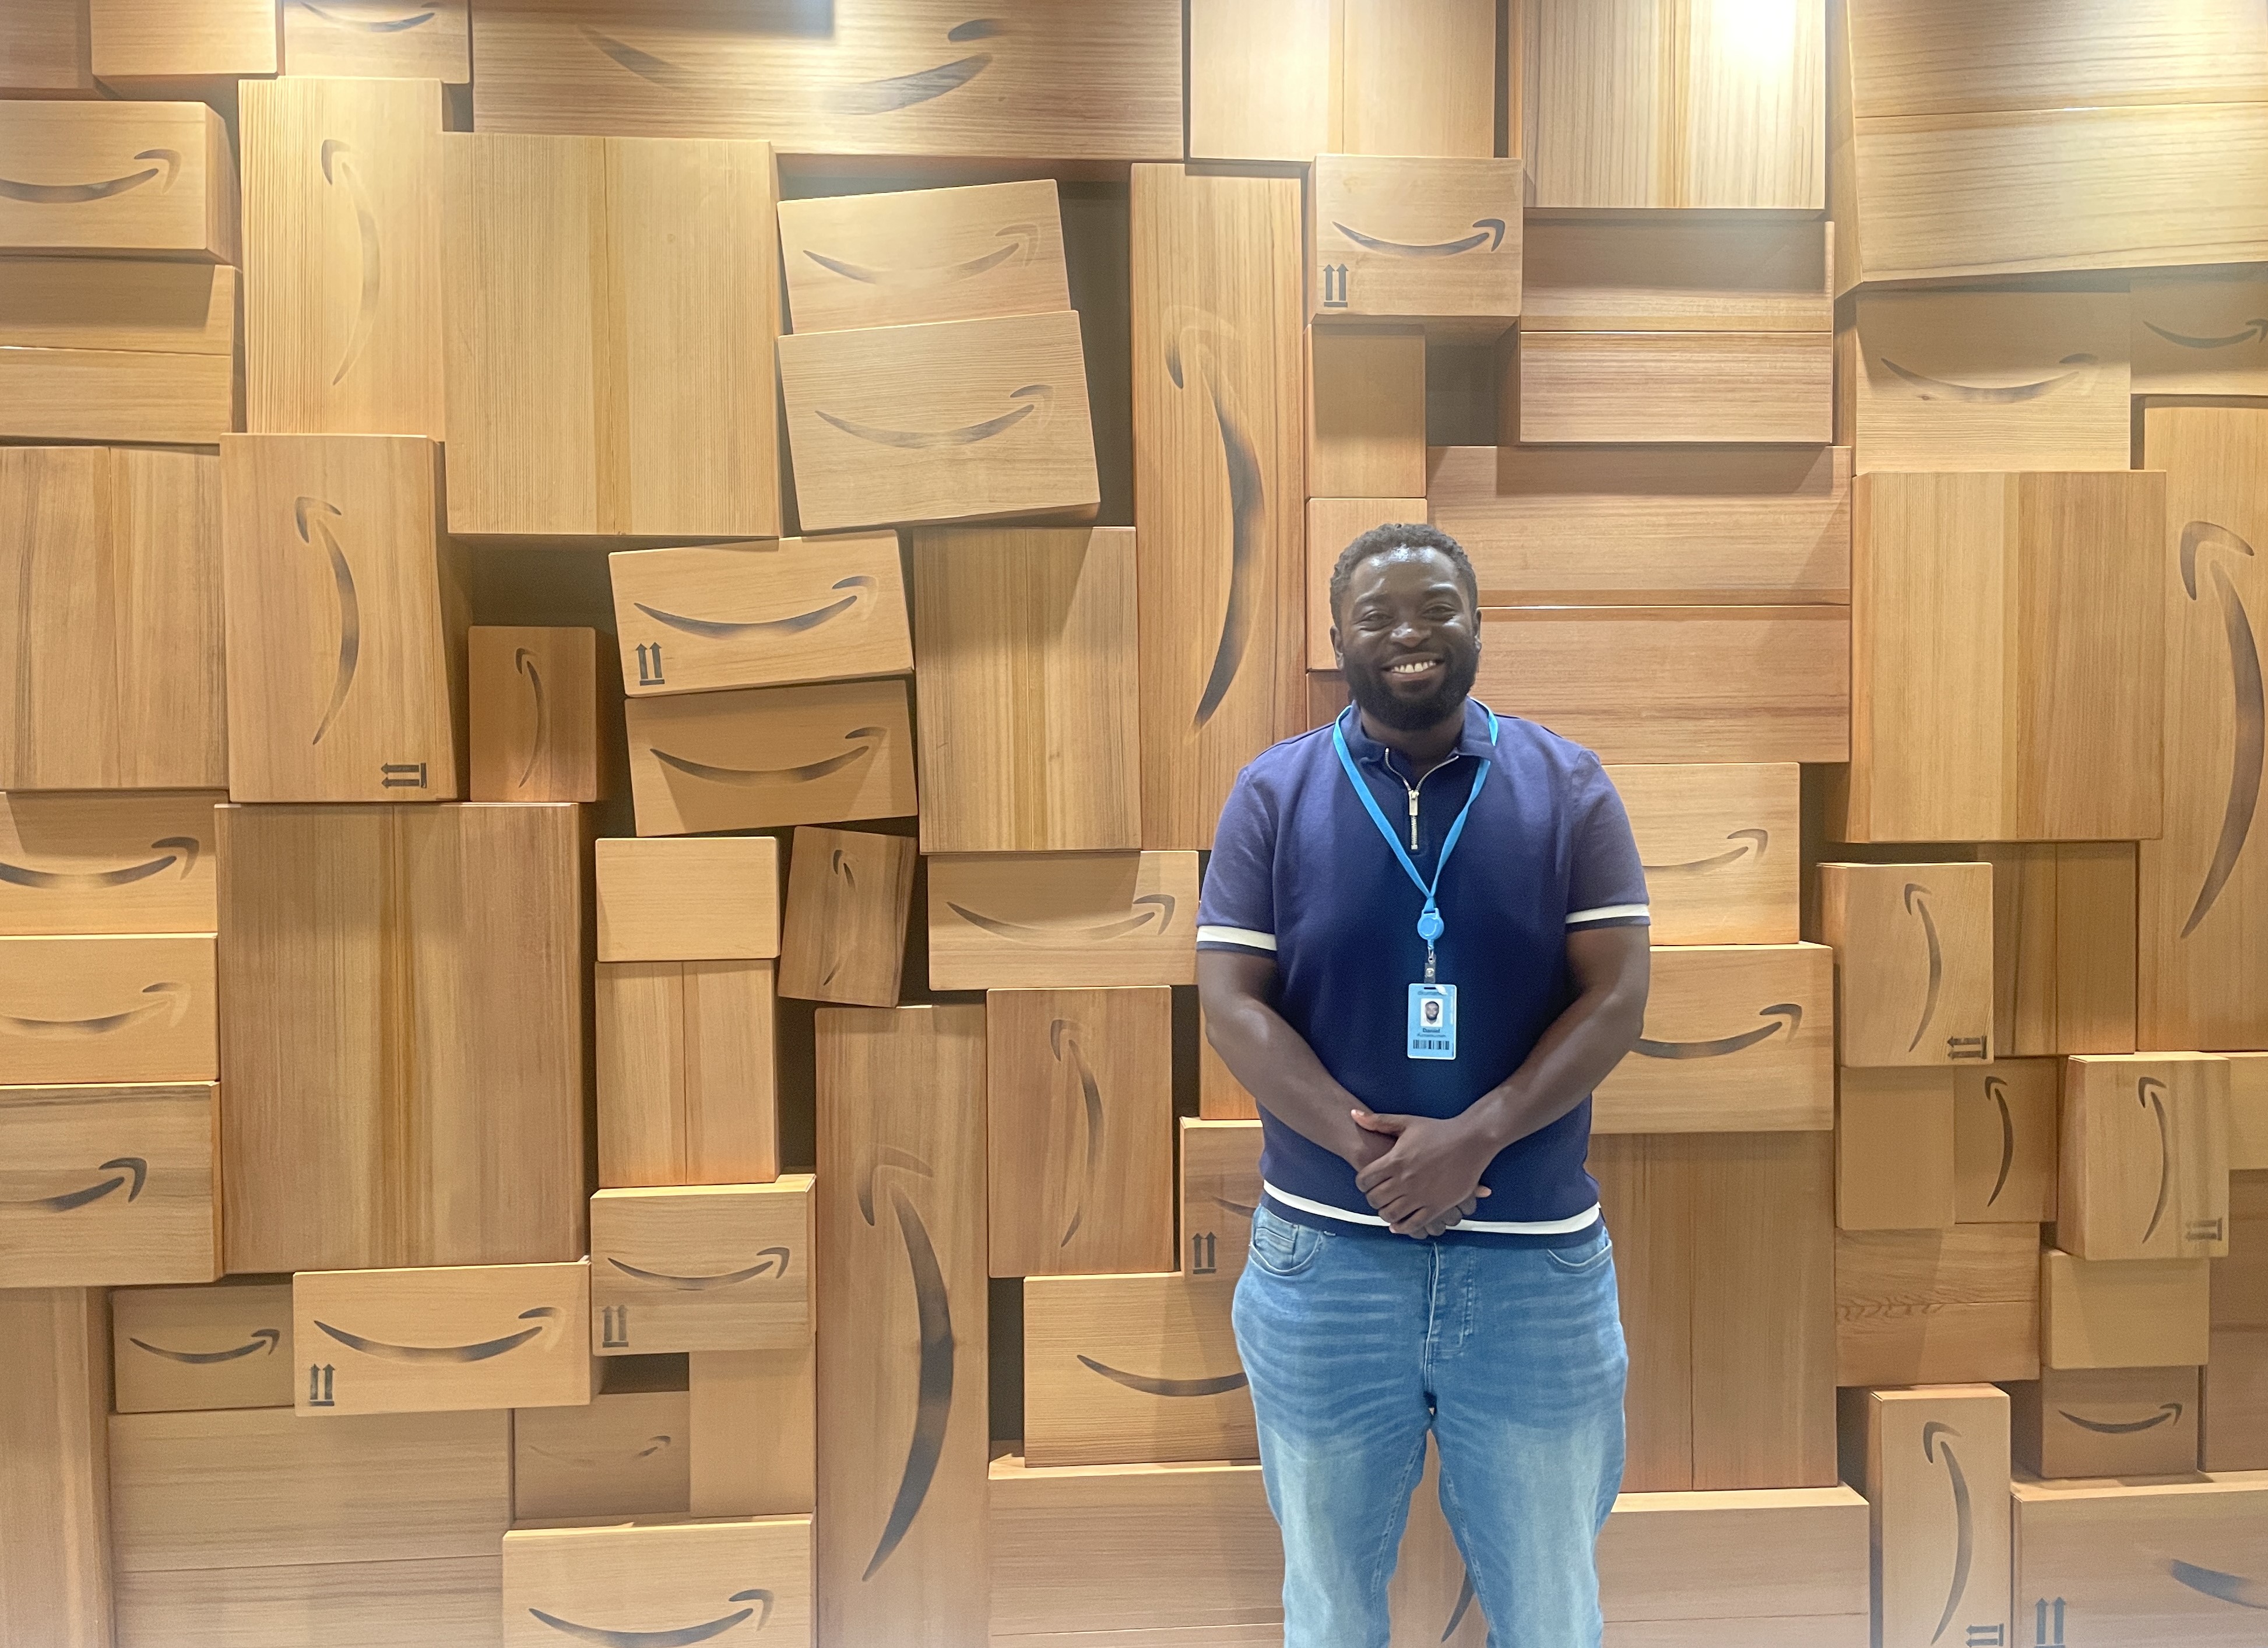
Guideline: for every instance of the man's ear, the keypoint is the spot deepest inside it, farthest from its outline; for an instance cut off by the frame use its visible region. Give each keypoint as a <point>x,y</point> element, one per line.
<point>1338,655</point>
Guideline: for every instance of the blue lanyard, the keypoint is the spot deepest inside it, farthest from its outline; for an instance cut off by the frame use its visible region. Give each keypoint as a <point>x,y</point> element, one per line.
<point>1430,925</point>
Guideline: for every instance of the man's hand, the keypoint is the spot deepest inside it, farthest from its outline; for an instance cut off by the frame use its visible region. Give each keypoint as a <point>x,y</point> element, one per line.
<point>1428,1178</point>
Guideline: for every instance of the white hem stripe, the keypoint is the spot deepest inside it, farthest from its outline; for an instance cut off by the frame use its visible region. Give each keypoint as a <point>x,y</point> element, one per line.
<point>1494,1227</point>
<point>1237,936</point>
<point>1604,911</point>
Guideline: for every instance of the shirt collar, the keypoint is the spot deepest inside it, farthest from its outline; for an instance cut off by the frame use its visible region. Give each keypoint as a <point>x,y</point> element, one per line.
<point>1474,742</point>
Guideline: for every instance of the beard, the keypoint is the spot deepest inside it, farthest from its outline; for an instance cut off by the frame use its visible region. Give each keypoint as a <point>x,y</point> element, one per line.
<point>1460,667</point>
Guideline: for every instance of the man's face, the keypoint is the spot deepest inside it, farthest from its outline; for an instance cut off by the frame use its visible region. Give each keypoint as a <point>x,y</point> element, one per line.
<point>1407,638</point>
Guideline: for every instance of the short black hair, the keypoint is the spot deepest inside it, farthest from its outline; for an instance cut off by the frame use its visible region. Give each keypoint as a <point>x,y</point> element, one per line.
<point>1402,535</point>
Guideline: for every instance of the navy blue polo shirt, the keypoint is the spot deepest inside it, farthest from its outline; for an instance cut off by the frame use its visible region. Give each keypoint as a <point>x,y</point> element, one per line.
<point>1299,872</point>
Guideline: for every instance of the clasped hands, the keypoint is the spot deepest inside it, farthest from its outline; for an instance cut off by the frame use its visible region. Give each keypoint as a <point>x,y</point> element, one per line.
<point>1423,1175</point>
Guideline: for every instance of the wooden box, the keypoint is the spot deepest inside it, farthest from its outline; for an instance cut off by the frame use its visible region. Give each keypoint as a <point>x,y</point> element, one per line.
<point>2145,1156</point>
<point>95,862</point>
<point>109,1009</point>
<point>1028,690</point>
<point>1220,1189</point>
<point>1738,1039</point>
<point>43,49</point>
<point>543,703</point>
<point>1699,273</point>
<point>712,1268</point>
<point>108,1185</point>
<point>1437,240</point>
<point>1934,1466</point>
<point>694,899</point>
<point>754,1432</point>
<point>373,38</point>
<point>1699,386</point>
<point>1365,411</point>
<point>646,1581</point>
<point>1121,1370</point>
<point>1754,1566</point>
<point>1913,960</point>
<point>2199,332</point>
<point>168,41</point>
<point>114,557</point>
<point>2063,947</point>
<point>1939,1307</point>
<point>687,1077</point>
<point>624,1455</point>
<point>760,614</point>
<point>2106,1422</point>
<point>182,1349</point>
<point>404,1079</point>
<point>342,329</point>
<point>2115,1562</point>
<point>2006,1148</point>
<point>1033,921</point>
<point>849,895</point>
<point>55,1541</point>
<point>1333,524</point>
<point>1718,844</point>
<point>857,260</point>
<point>139,180</point>
<point>2123,1312</point>
<point>107,350</point>
<point>1893,1149</point>
<point>437,1340</point>
<point>613,306</point>
<point>733,760</point>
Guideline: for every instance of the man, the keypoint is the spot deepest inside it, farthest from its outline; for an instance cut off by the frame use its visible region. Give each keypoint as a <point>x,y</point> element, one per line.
<point>1423,942</point>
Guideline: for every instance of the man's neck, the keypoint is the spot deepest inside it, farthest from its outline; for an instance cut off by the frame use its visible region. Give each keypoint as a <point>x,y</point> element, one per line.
<point>1424,747</point>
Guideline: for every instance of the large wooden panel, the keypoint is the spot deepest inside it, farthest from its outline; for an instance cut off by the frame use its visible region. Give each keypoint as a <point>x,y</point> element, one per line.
<point>1677,274</point>
<point>1122,1370</point>
<point>1062,920</point>
<point>111,649</point>
<point>1651,526</point>
<point>166,40</point>
<point>91,863</point>
<point>754,1432</point>
<point>2106,1422</point>
<point>541,704</point>
<point>2141,1562</point>
<point>109,1185</point>
<point>688,1075</point>
<point>623,1455</point>
<point>849,895</point>
<point>442,1338</point>
<point>2124,1313</point>
<point>734,761</point>
<point>925,255</point>
<point>1934,1307</point>
<point>108,1009</point>
<point>343,254</point>
<point>612,306</point>
<point>1262,79</point>
<point>410,1604</point>
<point>404,1077</point>
<point>1220,1189</point>
<point>106,350</point>
<point>694,899</point>
<point>2199,333</point>
<point>1934,1464</point>
<point>2144,1158</point>
<point>2202,977</point>
<point>147,180</point>
<point>55,1476</point>
<point>1718,844</point>
<point>43,49</point>
<point>375,38</point>
<point>2005,1141</point>
<point>903,1426</point>
<point>1695,386</point>
<point>1738,1039</point>
<point>2063,947</point>
<point>1750,1557</point>
<point>181,1349</point>
<point>1434,240</point>
<point>653,1582</point>
<point>1913,960</point>
<point>1646,1194</point>
<point>716,1267</point>
<point>1218,489</point>
<point>1676,683</point>
<point>1893,1149</point>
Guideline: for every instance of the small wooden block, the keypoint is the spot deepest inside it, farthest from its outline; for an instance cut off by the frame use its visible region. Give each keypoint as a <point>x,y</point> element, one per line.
<point>2141,1562</point>
<point>2234,1398</point>
<point>437,1340</point>
<point>112,350</point>
<point>373,38</point>
<point>1671,387</point>
<point>713,899</point>
<point>925,255</point>
<point>1667,274</point>
<point>182,1349</point>
<point>1738,1039</point>
<point>2123,1312</point>
<point>1934,1307</point>
<point>2106,1422</point>
<point>687,1073</point>
<point>1121,1370</point>
<point>754,1436</point>
<point>849,895</point>
<point>108,1185</point>
<point>1913,960</point>
<point>642,1581</point>
<point>623,1455</point>
<point>760,614</point>
<point>542,708</point>
<point>2063,947</point>
<point>107,1009</point>
<point>146,180</point>
<point>1001,921</point>
<point>1737,1556</point>
<point>164,41</point>
<point>1934,1464</point>
<point>2196,333</point>
<point>2004,1144</point>
<point>2248,1112</point>
<point>952,420</point>
<point>1718,844</point>
<point>1894,1151</point>
<point>55,1539</point>
<point>1365,411</point>
<point>713,1267</point>
<point>1437,240</point>
<point>775,755</point>
<point>1332,525</point>
<point>43,49</point>
<point>91,863</point>
<point>2144,1158</point>
<point>1220,1189</point>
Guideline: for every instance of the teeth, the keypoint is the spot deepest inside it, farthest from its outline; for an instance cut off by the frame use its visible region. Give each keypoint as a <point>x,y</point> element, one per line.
<point>1411,668</point>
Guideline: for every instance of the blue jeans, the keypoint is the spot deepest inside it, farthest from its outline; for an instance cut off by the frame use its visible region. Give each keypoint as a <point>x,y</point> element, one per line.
<point>1357,1345</point>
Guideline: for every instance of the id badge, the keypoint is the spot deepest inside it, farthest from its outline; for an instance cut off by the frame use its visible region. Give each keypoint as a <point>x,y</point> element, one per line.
<point>1433,1021</point>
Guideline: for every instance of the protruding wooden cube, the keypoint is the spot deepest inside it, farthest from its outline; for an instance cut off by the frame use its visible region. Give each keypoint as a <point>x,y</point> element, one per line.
<point>659,1579</point>
<point>706,899</point>
<point>1365,411</point>
<point>849,895</point>
<point>2123,1312</point>
<point>105,348</point>
<point>624,1455</point>
<point>111,1009</point>
<point>1122,1370</point>
<point>2106,1422</point>
<point>774,755</point>
<point>1033,921</point>
<point>54,1469</point>
<point>182,1349</point>
<point>1738,1039</point>
<point>168,40</point>
<point>373,38</point>
<point>2194,333</point>
<point>760,614</point>
<point>925,255</point>
<point>712,1268</point>
<point>1913,960</point>
<point>2140,1562</point>
<point>2006,1152</point>
<point>1894,1150</point>
<point>543,703</point>
<point>2063,947</point>
<point>1332,525</point>
<point>1220,1189</point>
<point>109,1185</point>
<point>1679,1569</point>
<point>2144,1158</point>
<point>1701,273</point>
<point>688,1079</point>
<point>1436,240</point>
<point>1934,1307</point>
<point>438,1340</point>
<point>753,1430</point>
<point>96,863</point>
<point>43,49</point>
<point>142,180</point>
<point>1719,848</point>
<point>1934,1466</point>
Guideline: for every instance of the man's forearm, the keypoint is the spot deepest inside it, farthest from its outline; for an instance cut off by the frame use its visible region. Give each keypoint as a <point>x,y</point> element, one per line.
<point>1575,1055</point>
<point>1280,1070</point>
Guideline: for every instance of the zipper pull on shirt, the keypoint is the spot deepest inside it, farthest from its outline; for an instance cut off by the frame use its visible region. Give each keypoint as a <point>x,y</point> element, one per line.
<point>1413,818</point>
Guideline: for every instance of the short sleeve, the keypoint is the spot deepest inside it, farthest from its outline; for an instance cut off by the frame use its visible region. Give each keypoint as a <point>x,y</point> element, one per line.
<point>1605,888</point>
<point>1237,910</point>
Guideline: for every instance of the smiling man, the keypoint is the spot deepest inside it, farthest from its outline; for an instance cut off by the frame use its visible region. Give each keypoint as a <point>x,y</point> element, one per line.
<point>1422,943</point>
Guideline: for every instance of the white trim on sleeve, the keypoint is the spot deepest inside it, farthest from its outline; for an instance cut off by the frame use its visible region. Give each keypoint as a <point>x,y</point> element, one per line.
<point>1243,936</point>
<point>1605,912</point>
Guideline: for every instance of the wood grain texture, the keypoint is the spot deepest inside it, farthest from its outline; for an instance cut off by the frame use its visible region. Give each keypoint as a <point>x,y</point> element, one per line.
<point>342,329</point>
<point>612,307</point>
<point>1646,1192</point>
<point>2123,1312</point>
<point>755,1436</point>
<point>112,650</point>
<point>2144,1158</point>
<point>1365,411</point>
<point>924,254</point>
<point>1697,387</point>
<point>623,1455</point>
<point>1062,920</point>
<point>1718,845</point>
<point>43,49</point>
<point>716,1267</point>
<point>2196,332</point>
<point>192,397</point>
<point>2233,1394</point>
<point>1332,525</point>
<point>176,316</point>
<point>949,420</point>
<point>2063,947</point>
<point>1738,1039</point>
<point>1417,77</point>
<point>1123,1370</point>
<point>705,898</point>
<point>1218,487</point>
<point>1219,1188</point>
<point>849,895</point>
<point>2240,1281</point>
<point>1913,960</point>
<point>1935,1475</point>
<point>687,1077</point>
<point>441,1339</point>
<point>54,1473</point>
<point>379,39</point>
<point>1893,1152</point>
<point>140,179</point>
<point>2248,1113</point>
<point>1649,526</point>
<point>1677,274</point>
<point>2108,1550</point>
<point>1934,1307</point>
<point>161,40</point>
<point>1739,1554</point>
<point>1029,690</point>
<point>660,1578</point>
<point>541,705</point>
<point>182,1349</point>
<point>2106,1422</point>
<point>760,614</point>
<point>109,1185</point>
<point>2006,1148</point>
<point>112,1008</point>
<point>1437,240</point>
<point>1640,684</point>
<point>404,1079</point>
<point>372,1604</point>
<point>732,761</point>
<point>902,1535</point>
<point>1262,79</point>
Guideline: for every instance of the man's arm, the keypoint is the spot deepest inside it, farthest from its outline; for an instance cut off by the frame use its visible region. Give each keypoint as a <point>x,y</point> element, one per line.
<point>1272,1060</point>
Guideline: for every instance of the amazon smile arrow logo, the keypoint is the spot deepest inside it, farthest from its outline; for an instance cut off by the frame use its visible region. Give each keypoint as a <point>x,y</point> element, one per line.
<point>1194,338</point>
<point>1754,841</point>
<point>546,1318</point>
<point>2249,748</point>
<point>2223,1587</point>
<point>720,630</point>
<point>1996,1091</point>
<point>770,1261</point>
<point>1150,1385</point>
<point>808,773</point>
<point>184,853</point>
<point>1160,905</point>
<point>1037,398</point>
<point>1964,1521</point>
<point>2168,1413</point>
<point>1491,237</point>
<point>1062,1040</point>
<point>173,1001</point>
<point>1916,897</point>
<point>2256,330</point>
<point>2150,1093</point>
<point>334,156</point>
<point>169,162</point>
<point>2082,372</point>
<point>899,91</point>
<point>1023,239</point>
<point>307,515</point>
<point>678,1637</point>
<point>1786,1016</point>
<point>933,1386</point>
<point>136,1169</point>
<point>263,1340</point>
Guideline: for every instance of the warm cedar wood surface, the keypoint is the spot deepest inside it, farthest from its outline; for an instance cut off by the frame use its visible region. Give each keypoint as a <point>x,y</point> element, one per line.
<point>377,38</point>
<point>1427,238</point>
<point>2144,1158</point>
<point>687,1072</point>
<point>1930,1307</point>
<point>1264,80</point>
<point>43,48</point>
<point>2123,1312</point>
<point>754,1443</point>
<point>1738,1039</point>
<point>849,895</point>
<point>1028,688</point>
<point>612,307</point>
<point>1893,1149</point>
<point>1365,411</point>
<point>1720,848</point>
<point>169,1347</point>
<point>688,898</point>
<point>1218,374</point>
<point>2240,1281</point>
<point>1078,1130</point>
<point>1648,525</point>
<point>166,40</point>
<point>55,1473</point>
<point>2234,1391</point>
<point>155,1149</point>
<point>1417,77</point>
<point>2106,1422</point>
<point>105,349</point>
<point>902,1361</point>
<point>1676,274</point>
<point>1675,683</point>
<point>113,557</point>
<point>542,704</point>
<point>1220,1188</point>
<point>404,1076</point>
<point>926,254</point>
<point>2196,332</point>
<point>760,614</point>
<point>1332,525</point>
<point>110,1008</point>
<point>2004,1144</point>
<point>88,862</point>
<point>622,1583</point>
<point>1033,921</point>
<point>2143,1562</point>
<point>2248,1112</point>
<point>1753,1555</point>
<point>945,421</point>
<point>343,254</point>
<point>1913,960</point>
<point>1090,1342</point>
<point>515,1335</point>
<point>624,1455</point>
<point>1934,1464</point>
<point>2203,973</point>
<point>714,1268</point>
<point>733,760</point>
<point>1693,387</point>
<point>2063,947</point>
<point>1428,1587</point>
<point>447,1599</point>
<point>184,207</point>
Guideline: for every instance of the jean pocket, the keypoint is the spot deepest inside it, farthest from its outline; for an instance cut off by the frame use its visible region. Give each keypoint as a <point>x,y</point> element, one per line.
<point>1280,1247</point>
<point>1585,1258</point>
